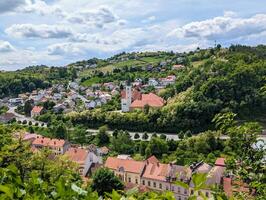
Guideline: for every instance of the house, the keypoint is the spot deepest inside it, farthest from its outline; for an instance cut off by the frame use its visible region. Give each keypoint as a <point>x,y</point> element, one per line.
<point>153,82</point>
<point>74,85</point>
<point>168,80</point>
<point>15,101</point>
<point>177,67</point>
<point>152,100</point>
<point>87,161</point>
<point>59,108</point>
<point>129,171</point>
<point>36,111</point>
<point>7,118</point>
<point>103,150</point>
<point>109,86</point>
<point>161,177</point>
<point>58,146</point>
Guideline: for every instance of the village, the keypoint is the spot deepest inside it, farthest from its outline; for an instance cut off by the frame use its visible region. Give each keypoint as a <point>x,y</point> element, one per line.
<point>146,175</point>
<point>75,97</point>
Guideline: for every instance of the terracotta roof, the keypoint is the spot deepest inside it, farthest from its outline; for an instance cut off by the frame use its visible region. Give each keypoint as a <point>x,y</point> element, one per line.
<point>77,155</point>
<point>148,99</point>
<point>220,162</point>
<point>37,109</point>
<point>156,171</point>
<point>48,142</point>
<point>152,159</point>
<point>127,165</point>
<point>104,150</point>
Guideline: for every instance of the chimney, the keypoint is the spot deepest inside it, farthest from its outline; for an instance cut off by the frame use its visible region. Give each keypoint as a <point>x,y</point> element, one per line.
<point>158,164</point>
<point>75,150</point>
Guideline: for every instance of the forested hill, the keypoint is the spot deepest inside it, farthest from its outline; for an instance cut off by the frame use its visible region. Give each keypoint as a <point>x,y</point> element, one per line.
<point>214,80</point>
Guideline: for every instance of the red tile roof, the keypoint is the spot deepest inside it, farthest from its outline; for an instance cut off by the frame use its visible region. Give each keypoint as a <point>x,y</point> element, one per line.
<point>148,99</point>
<point>37,109</point>
<point>152,159</point>
<point>220,162</point>
<point>77,155</point>
<point>156,171</point>
<point>48,142</point>
<point>128,165</point>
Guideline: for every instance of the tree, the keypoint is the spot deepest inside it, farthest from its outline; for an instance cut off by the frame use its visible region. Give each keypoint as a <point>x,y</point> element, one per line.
<point>145,136</point>
<point>122,143</point>
<point>104,181</point>
<point>181,135</point>
<point>162,136</point>
<point>28,107</point>
<point>60,131</point>
<point>157,147</point>
<point>102,136</point>
<point>136,136</point>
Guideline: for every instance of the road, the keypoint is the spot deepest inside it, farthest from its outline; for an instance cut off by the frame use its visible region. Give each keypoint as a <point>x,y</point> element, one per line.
<point>110,132</point>
<point>22,118</point>
<point>172,136</point>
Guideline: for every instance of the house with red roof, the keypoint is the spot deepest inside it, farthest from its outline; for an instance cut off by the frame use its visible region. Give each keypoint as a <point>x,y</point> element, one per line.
<point>151,100</point>
<point>36,111</point>
<point>87,161</point>
<point>153,175</point>
<point>128,170</point>
<point>58,146</point>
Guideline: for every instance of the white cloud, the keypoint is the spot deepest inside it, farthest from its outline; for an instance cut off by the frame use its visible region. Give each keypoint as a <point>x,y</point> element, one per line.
<point>64,48</point>
<point>42,8</point>
<point>10,5</point>
<point>96,17</point>
<point>39,31</point>
<point>223,28</point>
<point>5,46</point>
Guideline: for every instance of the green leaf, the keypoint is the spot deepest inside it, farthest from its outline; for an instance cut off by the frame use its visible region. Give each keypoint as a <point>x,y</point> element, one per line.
<point>7,190</point>
<point>182,184</point>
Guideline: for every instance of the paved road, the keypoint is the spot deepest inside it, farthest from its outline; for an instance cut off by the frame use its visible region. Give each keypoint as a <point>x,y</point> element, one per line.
<point>168,136</point>
<point>173,136</point>
<point>22,118</point>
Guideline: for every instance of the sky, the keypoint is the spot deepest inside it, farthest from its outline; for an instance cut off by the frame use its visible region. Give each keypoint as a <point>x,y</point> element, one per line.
<point>58,32</point>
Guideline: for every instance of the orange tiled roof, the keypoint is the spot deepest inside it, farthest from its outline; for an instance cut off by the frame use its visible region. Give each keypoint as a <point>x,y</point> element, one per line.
<point>77,155</point>
<point>152,159</point>
<point>48,142</point>
<point>128,165</point>
<point>220,162</point>
<point>156,171</point>
<point>37,109</point>
<point>148,99</point>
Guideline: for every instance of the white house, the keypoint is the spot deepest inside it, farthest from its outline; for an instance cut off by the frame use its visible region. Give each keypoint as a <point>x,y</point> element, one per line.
<point>153,82</point>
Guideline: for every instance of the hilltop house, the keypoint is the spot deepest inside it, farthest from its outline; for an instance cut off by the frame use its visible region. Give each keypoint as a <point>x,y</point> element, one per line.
<point>168,80</point>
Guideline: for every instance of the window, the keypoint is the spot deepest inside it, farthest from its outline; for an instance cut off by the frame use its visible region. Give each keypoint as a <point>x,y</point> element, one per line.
<point>185,191</point>
<point>173,179</point>
<point>166,187</point>
<point>179,198</point>
<point>207,194</point>
<point>149,183</point>
<point>129,179</point>
<point>173,188</point>
<point>192,192</point>
<point>143,182</point>
<point>160,186</point>
<point>154,184</point>
<point>178,190</point>
<point>136,181</point>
